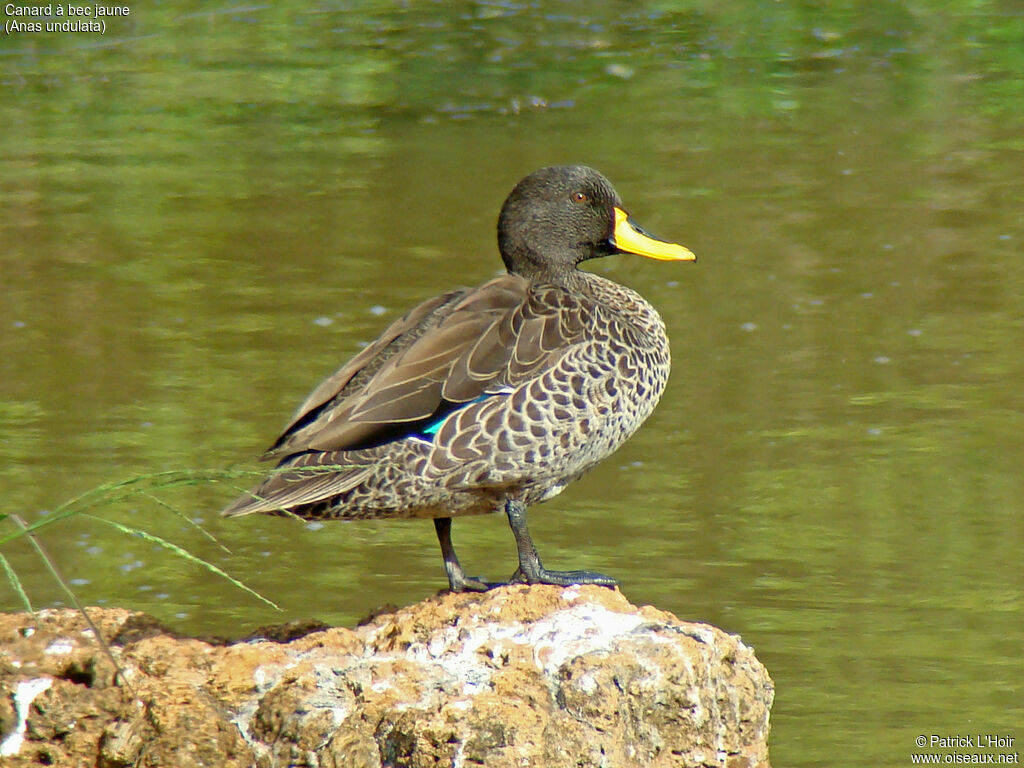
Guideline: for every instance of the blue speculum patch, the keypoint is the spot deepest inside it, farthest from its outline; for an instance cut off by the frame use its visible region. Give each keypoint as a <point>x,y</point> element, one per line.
<point>431,429</point>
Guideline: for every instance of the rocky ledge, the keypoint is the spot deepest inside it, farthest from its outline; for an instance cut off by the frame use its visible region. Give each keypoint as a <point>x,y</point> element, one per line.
<point>519,676</point>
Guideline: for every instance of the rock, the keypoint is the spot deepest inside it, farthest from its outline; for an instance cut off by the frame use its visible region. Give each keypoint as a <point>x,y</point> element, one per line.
<point>518,676</point>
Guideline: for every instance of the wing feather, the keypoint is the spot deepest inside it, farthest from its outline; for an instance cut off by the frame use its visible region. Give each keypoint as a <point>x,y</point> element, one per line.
<point>445,352</point>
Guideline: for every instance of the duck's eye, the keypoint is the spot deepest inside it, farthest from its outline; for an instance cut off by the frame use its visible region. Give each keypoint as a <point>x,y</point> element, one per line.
<point>579,197</point>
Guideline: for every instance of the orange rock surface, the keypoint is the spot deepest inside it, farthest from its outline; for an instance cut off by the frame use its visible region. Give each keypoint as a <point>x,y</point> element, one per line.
<point>518,676</point>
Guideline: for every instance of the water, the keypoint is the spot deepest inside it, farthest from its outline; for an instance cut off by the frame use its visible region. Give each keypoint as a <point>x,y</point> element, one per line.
<point>203,212</point>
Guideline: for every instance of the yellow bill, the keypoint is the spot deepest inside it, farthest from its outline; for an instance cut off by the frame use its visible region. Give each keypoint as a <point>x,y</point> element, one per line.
<point>630,238</point>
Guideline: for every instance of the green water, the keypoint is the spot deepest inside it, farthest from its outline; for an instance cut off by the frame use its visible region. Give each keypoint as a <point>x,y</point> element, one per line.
<point>207,208</point>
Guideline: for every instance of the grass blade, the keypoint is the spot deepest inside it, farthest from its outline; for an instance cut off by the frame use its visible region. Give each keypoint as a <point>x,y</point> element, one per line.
<point>183,553</point>
<point>16,585</point>
<point>52,567</point>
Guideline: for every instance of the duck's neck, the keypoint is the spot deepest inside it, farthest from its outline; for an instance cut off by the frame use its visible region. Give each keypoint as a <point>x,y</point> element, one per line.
<point>572,280</point>
<point>540,272</point>
<point>615,297</point>
<point>633,308</point>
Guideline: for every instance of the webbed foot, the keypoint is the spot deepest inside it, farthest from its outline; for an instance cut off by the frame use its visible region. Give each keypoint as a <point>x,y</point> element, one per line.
<point>542,575</point>
<point>530,570</point>
<point>458,581</point>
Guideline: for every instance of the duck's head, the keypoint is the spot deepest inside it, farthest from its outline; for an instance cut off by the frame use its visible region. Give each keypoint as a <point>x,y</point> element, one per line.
<point>560,216</point>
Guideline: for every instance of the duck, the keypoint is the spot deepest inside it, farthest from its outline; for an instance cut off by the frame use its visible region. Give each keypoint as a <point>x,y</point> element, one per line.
<point>493,398</point>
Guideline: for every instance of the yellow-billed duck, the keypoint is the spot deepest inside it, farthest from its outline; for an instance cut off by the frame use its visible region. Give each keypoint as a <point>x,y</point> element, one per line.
<point>489,398</point>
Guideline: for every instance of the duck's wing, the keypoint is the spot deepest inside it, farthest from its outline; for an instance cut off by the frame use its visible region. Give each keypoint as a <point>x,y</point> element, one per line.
<point>445,353</point>
<point>324,403</point>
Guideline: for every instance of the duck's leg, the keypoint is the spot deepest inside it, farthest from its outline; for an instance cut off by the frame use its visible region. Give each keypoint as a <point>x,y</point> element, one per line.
<point>458,581</point>
<point>530,570</point>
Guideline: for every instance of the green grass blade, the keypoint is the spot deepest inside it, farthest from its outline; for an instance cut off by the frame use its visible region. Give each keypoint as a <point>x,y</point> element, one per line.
<point>183,553</point>
<point>52,568</point>
<point>177,512</point>
<point>143,485</point>
<point>16,585</point>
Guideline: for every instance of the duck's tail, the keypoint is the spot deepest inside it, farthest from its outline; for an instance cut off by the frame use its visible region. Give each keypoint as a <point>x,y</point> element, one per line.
<point>300,485</point>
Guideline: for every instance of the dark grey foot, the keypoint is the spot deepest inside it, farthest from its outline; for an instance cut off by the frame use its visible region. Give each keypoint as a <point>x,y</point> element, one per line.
<point>530,570</point>
<point>561,578</point>
<point>458,581</point>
